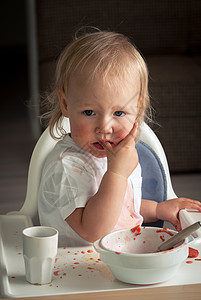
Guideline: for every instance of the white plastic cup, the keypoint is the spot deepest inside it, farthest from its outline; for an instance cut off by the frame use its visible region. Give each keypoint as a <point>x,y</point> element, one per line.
<point>39,250</point>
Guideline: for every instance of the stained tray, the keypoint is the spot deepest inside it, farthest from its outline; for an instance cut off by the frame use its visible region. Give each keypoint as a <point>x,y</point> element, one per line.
<point>76,270</point>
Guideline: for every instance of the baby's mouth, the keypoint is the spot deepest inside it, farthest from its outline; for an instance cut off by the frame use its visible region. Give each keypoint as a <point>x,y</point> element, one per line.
<point>99,146</point>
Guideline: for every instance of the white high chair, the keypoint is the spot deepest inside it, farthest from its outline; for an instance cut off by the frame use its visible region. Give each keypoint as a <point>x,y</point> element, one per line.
<point>12,271</point>
<point>46,143</point>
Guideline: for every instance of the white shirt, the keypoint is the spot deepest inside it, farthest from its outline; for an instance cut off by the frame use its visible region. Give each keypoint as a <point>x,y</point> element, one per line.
<point>70,177</point>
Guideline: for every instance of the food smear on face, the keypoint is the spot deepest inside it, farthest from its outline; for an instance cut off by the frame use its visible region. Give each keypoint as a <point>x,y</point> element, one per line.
<point>193,252</point>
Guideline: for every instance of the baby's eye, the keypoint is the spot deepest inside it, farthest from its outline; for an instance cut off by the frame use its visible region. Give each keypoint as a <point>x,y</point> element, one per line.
<point>119,113</point>
<point>89,112</point>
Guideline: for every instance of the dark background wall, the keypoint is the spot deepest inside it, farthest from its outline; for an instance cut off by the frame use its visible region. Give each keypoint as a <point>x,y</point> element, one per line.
<point>16,136</point>
<point>13,58</point>
<point>167,33</point>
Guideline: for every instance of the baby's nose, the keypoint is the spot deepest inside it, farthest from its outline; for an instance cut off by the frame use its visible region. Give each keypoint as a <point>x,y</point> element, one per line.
<point>104,127</point>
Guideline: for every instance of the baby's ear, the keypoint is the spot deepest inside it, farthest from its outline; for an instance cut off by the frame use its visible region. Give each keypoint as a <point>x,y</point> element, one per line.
<point>63,103</point>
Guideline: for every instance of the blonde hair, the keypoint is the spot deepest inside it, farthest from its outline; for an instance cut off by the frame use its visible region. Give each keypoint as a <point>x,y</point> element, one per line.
<point>107,52</point>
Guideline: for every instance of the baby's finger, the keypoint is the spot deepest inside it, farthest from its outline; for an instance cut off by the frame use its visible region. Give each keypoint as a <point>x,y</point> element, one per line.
<point>177,225</point>
<point>107,146</point>
<point>191,204</point>
<point>134,129</point>
<point>132,134</point>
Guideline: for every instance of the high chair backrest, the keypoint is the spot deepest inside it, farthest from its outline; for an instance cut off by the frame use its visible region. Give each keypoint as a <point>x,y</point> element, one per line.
<point>149,138</point>
<point>148,143</point>
<point>41,150</point>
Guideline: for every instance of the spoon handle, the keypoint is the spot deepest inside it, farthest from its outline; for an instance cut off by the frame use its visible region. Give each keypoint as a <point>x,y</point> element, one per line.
<point>180,236</point>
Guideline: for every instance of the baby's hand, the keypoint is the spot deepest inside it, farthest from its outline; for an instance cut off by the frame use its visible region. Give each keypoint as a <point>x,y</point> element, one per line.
<point>123,159</point>
<point>169,210</point>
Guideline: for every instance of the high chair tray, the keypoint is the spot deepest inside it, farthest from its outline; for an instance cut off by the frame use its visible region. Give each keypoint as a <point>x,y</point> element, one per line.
<point>76,270</point>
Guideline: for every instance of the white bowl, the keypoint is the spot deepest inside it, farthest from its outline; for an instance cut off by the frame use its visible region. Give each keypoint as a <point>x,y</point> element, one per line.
<point>131,255</point>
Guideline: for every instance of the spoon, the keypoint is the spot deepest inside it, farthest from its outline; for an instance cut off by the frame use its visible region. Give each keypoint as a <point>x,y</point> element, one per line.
<point>178,237</point>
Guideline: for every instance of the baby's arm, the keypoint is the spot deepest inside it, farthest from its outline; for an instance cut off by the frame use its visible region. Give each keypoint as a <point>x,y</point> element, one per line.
<point>167,210</point>
<point>102,211</point>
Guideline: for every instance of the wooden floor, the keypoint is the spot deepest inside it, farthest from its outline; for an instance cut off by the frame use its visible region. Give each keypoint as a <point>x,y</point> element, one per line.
<point>17,143</point>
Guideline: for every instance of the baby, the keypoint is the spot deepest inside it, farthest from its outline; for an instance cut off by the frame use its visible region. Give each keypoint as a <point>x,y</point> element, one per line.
<point>91,181</point>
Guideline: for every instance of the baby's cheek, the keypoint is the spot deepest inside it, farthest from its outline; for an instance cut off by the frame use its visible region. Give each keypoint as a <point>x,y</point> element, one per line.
<point>123,132</point>
<point>80,131</point>
<point>81,135</point>
<point>125,125</point>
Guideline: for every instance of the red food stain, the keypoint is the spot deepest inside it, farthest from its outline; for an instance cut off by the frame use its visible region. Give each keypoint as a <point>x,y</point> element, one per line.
<point>19,253</point>
<point>56,273</point>
<point>162,238</point>
<point>189,261</point>
<point>56,259</point>
<point>90,251</point>
<point>13,277</point>
<point>118,252</point>
<point>75,253</point>
<point>79,274</point>
<point>76,263</point>
<point>193,252</point>
<point>165,230</point>
<point>198,259</point>
<point>83,252</point>
<point>136,229</point>
<point>90,268</point>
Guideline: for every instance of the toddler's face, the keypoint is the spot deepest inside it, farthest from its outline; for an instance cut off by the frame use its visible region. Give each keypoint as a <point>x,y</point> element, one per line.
<point>99,111</point>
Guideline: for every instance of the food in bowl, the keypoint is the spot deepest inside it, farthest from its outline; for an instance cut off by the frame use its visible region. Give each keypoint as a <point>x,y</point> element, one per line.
<point>131,254</point>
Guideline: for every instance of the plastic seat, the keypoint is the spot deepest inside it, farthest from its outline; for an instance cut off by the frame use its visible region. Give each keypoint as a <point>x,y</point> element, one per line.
<point>156,178</point>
